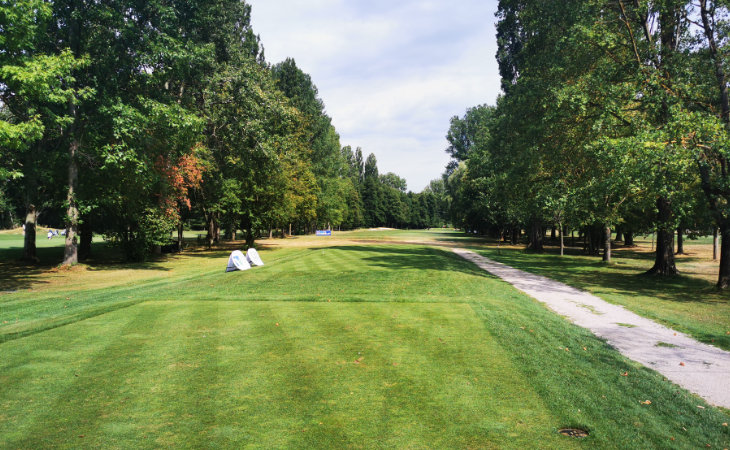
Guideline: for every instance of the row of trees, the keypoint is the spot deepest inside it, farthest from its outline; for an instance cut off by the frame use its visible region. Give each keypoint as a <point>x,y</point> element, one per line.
<point>614,117</point>
<point>128,118</point>
<point>385,201</point>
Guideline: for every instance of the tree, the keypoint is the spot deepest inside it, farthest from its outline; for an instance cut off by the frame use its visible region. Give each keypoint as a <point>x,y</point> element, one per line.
<point>33,88</point>
<point>394,181</point>
<point>711,143</point>
<point>327,161</point>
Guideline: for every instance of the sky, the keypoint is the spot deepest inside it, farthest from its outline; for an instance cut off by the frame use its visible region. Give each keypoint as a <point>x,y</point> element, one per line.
<point>391,73</point>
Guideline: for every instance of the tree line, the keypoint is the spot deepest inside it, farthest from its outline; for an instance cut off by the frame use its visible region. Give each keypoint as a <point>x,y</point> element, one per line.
<point>130,119</point>
<point>613,118</point>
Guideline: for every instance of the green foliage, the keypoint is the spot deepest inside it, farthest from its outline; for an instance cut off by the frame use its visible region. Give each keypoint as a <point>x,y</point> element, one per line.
<point>167,113</point>
<point>611,116</point>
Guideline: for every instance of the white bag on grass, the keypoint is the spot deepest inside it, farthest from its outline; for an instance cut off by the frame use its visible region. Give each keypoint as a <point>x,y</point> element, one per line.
<point>237,262</point>
<point>253,257</point>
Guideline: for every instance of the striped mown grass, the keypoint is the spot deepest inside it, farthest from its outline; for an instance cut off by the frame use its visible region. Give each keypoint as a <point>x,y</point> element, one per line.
<point>217,374</point>
<point>350,346</point>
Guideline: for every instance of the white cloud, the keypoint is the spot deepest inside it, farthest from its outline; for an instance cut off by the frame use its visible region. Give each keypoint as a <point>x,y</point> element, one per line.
<point>391,74</point>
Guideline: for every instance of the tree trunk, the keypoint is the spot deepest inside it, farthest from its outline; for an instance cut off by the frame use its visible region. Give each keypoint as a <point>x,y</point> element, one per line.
<point>71,251</point>
<point>552,234</point>
<point>607,244</point>
<point>29,247</point>
<point>706,11</point>
<point>723,281</point>
<point>664,262</point>
<point>180,236</point>
<point>714,243</point>
<point>619,234</point>
<point>10,221</point>
<point>536,236</point>
<point>562,240</point>
<point>680,242</point>
<point>594,240</point>
<point>289,228</point>
<point>271,233</point>
<point>628,238</point>
<point>249,238</point>
<point>210,237</point>
<point>86,235</point>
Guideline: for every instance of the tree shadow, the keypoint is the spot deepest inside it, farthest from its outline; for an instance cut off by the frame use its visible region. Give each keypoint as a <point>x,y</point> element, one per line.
<point>630,281</point>
<point>17,275</point>
<point>220,249</point>
<point>624,279</point>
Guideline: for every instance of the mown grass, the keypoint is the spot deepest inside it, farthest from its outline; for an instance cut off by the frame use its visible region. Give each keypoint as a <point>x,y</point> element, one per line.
<point>690,304</point>
<point>378,345</point>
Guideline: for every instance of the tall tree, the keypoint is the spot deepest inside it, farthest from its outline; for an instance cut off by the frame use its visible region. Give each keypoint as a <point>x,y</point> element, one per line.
<point>34,87</point>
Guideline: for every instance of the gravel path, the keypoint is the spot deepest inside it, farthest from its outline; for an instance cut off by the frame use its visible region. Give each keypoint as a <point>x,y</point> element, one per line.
<point>699,368</point>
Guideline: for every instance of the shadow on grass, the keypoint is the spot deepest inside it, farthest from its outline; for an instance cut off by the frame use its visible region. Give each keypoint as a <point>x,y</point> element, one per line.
<point>626,278</point>
<point>16,274</point>
<point>411,258</point>
<point>621,278</point>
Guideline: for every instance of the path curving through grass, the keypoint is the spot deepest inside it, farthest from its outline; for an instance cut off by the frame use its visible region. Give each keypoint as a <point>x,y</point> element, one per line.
<point>700,368</point>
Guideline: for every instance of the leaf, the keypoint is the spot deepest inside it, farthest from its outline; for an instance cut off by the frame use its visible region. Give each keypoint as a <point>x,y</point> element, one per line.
<point>646,402</point>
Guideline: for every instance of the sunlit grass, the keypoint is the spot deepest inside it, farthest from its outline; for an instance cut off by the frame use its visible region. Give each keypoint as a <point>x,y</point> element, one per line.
<point>686,303</point>
<point>363,344</point>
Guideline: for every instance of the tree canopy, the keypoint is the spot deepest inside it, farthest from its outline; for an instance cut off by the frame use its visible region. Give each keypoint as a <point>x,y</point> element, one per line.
<point>134,120</point>
<point>614,117</point>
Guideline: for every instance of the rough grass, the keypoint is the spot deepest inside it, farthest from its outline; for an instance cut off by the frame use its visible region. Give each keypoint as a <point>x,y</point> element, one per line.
<point>377,345</point>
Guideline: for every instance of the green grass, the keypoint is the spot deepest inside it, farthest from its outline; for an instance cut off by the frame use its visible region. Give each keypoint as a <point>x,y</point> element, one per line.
<point>376,346</point>
<point>685,303</point>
